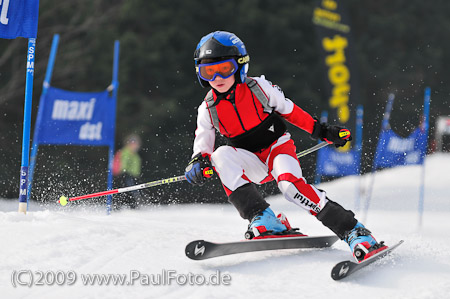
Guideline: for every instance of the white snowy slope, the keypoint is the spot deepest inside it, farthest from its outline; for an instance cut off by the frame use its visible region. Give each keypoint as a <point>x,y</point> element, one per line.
<point>151,242</point>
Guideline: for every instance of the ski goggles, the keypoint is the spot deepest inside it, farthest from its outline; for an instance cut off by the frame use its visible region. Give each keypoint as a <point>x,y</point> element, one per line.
<point>224,69</point>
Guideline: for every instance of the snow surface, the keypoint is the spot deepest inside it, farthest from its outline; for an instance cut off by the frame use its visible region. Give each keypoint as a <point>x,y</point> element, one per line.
<point>152,240</point>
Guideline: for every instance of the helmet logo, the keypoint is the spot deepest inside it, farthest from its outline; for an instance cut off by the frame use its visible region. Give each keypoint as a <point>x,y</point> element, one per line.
<point>235,40</point>
<point>208,52</point>
<point>244,59</point>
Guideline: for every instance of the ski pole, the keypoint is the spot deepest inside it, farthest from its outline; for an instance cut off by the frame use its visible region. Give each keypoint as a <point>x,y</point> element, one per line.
<point>207,172</point>
<point>312,149</point>
<point>64,200</point>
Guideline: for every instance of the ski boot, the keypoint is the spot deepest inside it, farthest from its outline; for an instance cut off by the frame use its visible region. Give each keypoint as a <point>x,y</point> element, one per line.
<point>362,244</point>
<point>266,225</point>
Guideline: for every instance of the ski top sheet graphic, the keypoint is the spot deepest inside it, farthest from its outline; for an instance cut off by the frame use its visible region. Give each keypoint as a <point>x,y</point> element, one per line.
<point>345,268</point>
<point>18,18</point>
<point>201,249</point>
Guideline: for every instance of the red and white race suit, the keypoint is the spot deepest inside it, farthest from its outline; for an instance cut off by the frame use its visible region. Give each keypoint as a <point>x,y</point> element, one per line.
<point>237,166</point>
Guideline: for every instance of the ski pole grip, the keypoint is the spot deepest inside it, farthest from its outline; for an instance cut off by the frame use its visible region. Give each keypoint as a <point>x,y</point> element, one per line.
<point>208,172</point>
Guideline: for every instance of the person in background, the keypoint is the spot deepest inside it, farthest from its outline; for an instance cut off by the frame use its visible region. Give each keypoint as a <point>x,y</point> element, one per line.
<point>127,170</point>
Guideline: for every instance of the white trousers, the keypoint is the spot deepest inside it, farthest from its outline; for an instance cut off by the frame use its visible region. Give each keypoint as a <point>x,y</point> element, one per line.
<point>237,167</point>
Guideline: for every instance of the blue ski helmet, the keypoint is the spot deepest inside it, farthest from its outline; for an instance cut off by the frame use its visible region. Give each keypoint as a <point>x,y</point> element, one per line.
<point>221,45</point>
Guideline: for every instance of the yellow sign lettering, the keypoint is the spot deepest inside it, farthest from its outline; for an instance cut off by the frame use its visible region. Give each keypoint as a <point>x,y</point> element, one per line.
<point>338,75</point>
<point>337,43</point>
<point>329,4</point>
<point>328,15</point>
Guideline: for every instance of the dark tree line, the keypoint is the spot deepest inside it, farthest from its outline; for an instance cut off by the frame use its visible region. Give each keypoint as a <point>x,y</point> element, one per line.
<point>401,47</point>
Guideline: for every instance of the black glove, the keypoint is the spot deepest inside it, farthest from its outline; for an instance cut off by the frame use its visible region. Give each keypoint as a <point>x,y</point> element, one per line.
<point>198,169</point>
<point>331,134</point>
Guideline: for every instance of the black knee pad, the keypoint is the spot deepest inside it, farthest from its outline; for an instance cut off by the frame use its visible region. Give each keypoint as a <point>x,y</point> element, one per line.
<point>336,218</point>
<point>248,201</point>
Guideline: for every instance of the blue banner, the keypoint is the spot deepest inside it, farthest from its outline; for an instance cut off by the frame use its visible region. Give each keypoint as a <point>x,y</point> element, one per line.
<point>333,162</point>
<point>18,18</point>
<point>77,118</point>
<point>393,150</point>
<point>330,162</point>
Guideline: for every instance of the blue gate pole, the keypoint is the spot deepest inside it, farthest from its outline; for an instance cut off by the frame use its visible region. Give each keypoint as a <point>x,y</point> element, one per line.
<point>358,148</point>
<point>426,120</point>
<point>115,87</point>
<point>46,85</point>
<point>384,126</point>
<point>26,126</point>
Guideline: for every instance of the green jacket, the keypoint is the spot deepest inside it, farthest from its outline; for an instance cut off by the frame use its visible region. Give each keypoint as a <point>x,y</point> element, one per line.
<point>130,162</point>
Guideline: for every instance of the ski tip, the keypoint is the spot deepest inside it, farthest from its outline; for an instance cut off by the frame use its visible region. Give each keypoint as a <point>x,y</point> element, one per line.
<point>195,250</point>
<point>345,268</point>
<point>341,270</point>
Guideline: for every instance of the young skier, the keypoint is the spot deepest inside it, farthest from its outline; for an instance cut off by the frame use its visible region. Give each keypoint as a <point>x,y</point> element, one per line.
<point>250,112</point>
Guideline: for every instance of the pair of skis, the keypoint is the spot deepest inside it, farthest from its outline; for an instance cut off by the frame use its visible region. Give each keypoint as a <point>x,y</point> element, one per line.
<point>201,250</point>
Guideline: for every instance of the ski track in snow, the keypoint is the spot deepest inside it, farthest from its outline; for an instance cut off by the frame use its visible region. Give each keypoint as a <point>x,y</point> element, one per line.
<point>152,240</point>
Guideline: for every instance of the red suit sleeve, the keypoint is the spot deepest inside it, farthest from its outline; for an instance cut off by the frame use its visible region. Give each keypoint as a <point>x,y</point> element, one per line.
<point>300,118</point>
